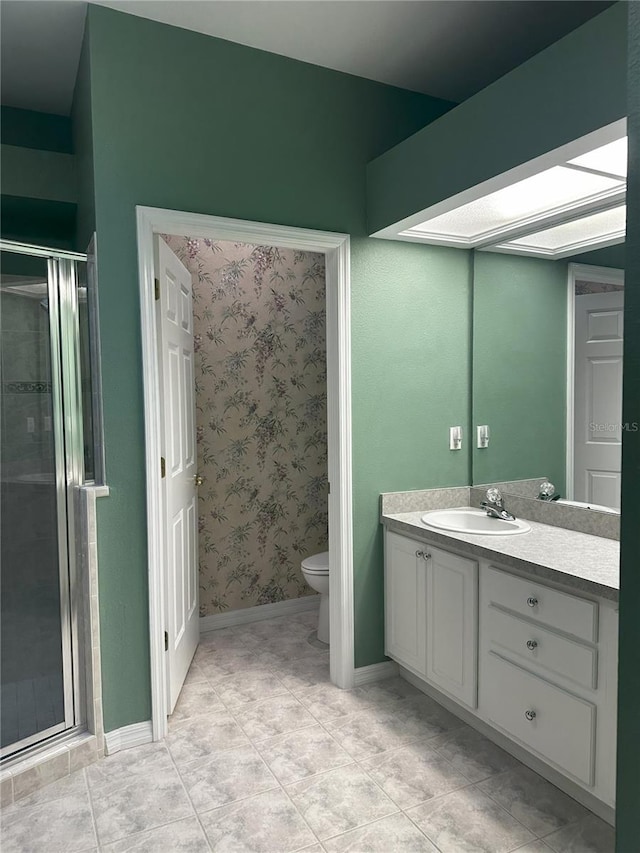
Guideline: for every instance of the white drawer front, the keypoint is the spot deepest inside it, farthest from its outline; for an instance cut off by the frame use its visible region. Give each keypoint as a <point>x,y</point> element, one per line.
<point>541,649</point>
<point>562,729</point>
<point>568,613</point>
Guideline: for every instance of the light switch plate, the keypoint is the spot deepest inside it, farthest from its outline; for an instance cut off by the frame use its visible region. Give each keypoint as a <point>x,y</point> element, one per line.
<point>483,436</point>
<point>455,438</point>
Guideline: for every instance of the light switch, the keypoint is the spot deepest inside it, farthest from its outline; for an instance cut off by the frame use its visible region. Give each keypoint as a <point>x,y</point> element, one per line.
<point>455,438</point>
<point>31,424</point>
<point>47,423</point>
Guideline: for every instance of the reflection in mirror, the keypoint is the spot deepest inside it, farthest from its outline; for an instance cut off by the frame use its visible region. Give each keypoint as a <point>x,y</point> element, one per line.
<point>547,374</point>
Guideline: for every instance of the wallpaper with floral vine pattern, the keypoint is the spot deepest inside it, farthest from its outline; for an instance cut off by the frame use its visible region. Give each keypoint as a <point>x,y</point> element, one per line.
<point>260,364</point>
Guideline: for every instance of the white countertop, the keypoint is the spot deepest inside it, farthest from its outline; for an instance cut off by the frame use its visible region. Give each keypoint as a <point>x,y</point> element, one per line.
<point>579,560</point>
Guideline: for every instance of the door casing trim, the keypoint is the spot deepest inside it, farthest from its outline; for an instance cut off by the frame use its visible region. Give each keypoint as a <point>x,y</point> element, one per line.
<point>336,248</point>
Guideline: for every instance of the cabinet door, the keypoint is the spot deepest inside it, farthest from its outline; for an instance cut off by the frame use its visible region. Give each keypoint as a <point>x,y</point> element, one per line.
<point>405,592</point>
<point>452,625</point>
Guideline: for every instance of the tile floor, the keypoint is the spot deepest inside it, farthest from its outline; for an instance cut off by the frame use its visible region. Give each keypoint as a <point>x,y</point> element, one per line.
<point>264,754</point>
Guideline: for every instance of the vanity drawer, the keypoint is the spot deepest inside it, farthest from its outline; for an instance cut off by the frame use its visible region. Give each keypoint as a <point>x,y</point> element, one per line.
<point>559,726</point>
<point>568,613</point>
<point>539,648</point>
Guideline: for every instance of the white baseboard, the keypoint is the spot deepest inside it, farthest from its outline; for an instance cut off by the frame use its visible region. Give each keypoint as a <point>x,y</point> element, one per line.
<point>376,672</point>
<point>258,613</point>
<point>127,736</point>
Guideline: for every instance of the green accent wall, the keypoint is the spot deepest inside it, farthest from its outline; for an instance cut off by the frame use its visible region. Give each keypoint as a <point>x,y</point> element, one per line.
<point>31,129</point>
<point>189,122</point>
<point>519,367</point>
<point>38,221</point>
<point>411,313</point>
<point>575,86</point>
<point>628,790</point>
<point>611,256</point>
<point>38,178</point>
<point>83,146</point>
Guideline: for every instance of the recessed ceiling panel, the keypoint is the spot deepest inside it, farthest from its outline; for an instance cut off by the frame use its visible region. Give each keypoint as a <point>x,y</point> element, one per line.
<point>608,226</point>
<point>545,194</point>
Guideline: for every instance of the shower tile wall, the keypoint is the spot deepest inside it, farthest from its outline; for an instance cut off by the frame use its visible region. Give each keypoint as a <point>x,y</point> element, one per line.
<point>31,653</point>
<point>259,323</point>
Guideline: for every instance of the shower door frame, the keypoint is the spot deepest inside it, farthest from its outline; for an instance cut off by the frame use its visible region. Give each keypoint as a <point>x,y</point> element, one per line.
<point>67,431</point>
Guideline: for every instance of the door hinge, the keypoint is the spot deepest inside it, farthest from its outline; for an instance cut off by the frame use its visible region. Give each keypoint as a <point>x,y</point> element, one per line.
<point>156,283</point>
<point>166,641</point>
<point>163,467</point>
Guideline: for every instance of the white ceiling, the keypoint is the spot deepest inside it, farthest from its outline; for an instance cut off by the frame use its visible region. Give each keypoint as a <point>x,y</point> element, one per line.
<point>447,48</point>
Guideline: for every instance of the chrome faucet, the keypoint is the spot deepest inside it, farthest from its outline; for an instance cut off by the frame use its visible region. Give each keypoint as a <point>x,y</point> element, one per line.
<point>494,506</point>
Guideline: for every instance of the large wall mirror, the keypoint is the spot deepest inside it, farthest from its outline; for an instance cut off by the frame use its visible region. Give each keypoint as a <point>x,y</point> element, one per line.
<point>547,373</point>
<point>548,305</point>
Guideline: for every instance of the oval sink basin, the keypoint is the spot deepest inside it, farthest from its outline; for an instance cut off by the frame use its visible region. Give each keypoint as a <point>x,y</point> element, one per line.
<point>473,521</point>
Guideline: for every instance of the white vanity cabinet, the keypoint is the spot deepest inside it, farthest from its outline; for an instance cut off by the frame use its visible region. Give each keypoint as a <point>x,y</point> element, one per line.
<point>534,663</point>
<point>431,614</point>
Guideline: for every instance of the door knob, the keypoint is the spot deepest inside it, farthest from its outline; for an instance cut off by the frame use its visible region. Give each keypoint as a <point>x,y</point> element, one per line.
<point>198,479</point>
<point>532,645</point>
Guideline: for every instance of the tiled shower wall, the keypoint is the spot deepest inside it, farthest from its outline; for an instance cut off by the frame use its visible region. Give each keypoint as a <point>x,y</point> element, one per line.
<point>260,363</point>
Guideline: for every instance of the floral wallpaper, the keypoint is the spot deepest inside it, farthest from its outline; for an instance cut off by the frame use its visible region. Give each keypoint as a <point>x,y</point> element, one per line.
<point>260,362</point>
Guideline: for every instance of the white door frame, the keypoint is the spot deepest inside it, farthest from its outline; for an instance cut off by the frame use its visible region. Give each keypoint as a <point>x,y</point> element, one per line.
<point>335,247</point>
<point>599,275</point>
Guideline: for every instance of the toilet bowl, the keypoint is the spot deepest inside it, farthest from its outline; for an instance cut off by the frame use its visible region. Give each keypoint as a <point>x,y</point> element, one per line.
<point>316,573</point>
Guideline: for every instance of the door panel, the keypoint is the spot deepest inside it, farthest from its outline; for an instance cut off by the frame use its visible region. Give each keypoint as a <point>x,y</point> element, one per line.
<point>405,591</point>
<point>598,397</point>
<point>452,624</point>
<point>175,340</point>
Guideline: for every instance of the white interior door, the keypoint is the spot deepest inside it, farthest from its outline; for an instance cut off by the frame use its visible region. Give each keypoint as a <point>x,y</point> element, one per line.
<point>180,502</point>
<point>598,398</point>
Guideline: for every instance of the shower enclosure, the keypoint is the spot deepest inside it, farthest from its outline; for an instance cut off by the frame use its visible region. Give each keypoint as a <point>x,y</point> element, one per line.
<point>47,449</point>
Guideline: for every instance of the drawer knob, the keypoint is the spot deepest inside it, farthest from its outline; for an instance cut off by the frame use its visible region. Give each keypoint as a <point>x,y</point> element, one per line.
<point>532,645</point>
<point>532,601</point>
<point>419,553</point>
<point>530,715</point>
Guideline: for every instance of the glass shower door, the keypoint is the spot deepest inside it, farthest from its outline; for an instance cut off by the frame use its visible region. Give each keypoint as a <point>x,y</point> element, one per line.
<point>37,696</point>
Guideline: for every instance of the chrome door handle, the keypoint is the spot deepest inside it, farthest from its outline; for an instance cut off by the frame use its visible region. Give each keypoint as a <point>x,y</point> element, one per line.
<point>198,479</point>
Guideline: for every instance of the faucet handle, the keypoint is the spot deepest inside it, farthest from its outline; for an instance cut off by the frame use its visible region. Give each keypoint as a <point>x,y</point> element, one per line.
<point>547,489</point>
<point>494,496</point>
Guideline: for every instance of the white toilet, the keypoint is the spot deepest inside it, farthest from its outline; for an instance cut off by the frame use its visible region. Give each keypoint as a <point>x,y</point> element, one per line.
<point>316,573</point>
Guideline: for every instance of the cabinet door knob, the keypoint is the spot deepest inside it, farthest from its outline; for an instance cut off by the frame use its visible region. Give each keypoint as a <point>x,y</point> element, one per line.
<point>532,601</point>
<point>419,553</point>
<point>426,556</point>
<point>532,644</point>
<point>530,715</point>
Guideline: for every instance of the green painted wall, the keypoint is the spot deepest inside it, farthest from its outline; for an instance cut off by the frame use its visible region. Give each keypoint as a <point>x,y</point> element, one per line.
<point>38,178</point>
<point>188,122</point>
<point>30,129</point>
<point>628,791</point>
<point>83,146</point>
<point>611,256</point>
<point>519,373</point>
<point>411,313</point>
<point>568,90</point>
